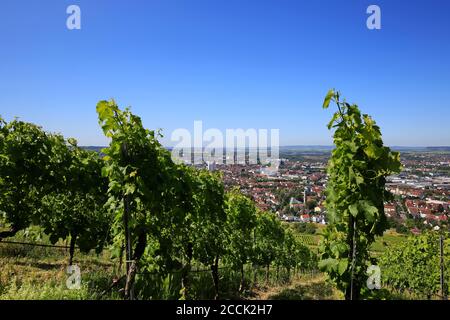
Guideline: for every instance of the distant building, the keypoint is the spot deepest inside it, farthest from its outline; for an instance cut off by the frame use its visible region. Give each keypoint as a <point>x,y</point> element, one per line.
<point>211,165</point>
<point>271,170</point>
<point>294,203</point>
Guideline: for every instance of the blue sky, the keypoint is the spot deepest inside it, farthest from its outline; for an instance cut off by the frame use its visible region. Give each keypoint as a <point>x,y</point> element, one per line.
<point>230,63</point>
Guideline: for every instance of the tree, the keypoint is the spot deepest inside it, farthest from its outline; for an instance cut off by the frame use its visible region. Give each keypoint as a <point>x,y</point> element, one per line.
<point>210,243</point>
<point>268,240</point>
<point>355,195</point>
<point>46,182</point>
<point>141,174</point>
<point>77,209</point>
<point>31,161</point>
<point>288,254</point>
<point>414,265</point>
<point>311,204</point>
<point>241,221</point>
<point>310,228</point>
<point>177,234</point>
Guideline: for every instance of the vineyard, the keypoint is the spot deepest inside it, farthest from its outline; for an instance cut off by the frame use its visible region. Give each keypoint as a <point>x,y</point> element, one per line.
<point>141,226</point>
<point>309,240</point>
<point>159,222</point>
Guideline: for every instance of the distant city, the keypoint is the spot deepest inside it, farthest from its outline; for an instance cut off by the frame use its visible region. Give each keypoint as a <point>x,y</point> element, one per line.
<point>295,191</point>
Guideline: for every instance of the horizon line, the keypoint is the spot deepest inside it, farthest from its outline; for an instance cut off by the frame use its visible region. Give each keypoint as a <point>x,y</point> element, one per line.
<point>310,145</point>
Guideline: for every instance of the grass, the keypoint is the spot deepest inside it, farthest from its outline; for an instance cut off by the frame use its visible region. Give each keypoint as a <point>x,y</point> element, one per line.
<point>28,272</point>
<point>45,291</point>
<point>309,239</point>
<point>39,273</point>
<point>389,239</point>
<point>304,287</point>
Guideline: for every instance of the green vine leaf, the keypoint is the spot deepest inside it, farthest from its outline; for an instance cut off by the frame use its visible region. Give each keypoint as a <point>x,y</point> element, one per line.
<point>327,99</point>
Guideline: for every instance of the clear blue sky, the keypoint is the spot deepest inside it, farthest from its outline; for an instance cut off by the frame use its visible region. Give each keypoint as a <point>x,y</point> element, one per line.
<point>230,63</point>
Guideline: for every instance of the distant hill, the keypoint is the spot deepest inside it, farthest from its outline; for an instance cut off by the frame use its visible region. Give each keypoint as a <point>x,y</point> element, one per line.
<point>395,148</point>
<point>93,148</point>
<point>307,148</point>
<point>323,149</point>
<point>421,149</point>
